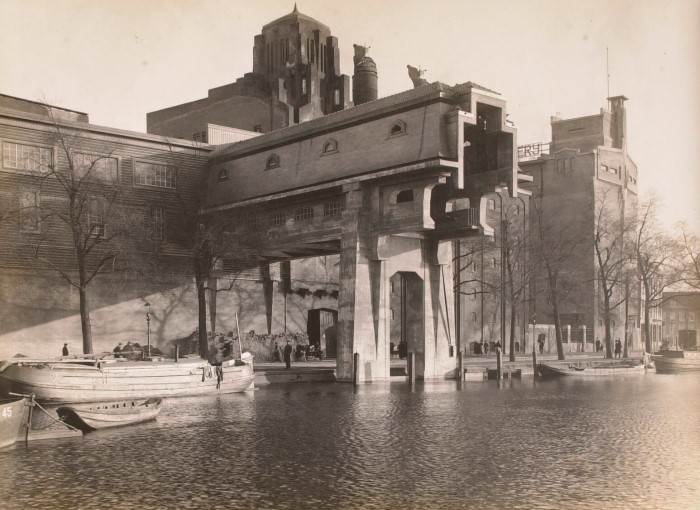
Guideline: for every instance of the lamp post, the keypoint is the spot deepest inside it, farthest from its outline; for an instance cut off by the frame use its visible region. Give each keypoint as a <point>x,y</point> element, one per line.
<point>148,327</point>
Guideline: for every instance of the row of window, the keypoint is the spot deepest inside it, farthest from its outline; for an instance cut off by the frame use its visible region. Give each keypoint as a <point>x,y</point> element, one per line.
<point>33,158</point>
<point>306,213</point>
<point>30,216</point>
<point>564,165</point>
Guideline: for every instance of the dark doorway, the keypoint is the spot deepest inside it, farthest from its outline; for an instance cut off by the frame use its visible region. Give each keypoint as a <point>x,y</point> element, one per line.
<point>321,328</point>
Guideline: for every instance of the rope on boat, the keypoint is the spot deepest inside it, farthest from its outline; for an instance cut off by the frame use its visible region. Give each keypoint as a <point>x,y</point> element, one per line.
<point>54,419</point>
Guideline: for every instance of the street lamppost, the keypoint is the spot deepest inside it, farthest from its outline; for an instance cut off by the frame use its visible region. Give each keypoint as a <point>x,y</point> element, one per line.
<point>148,327</point>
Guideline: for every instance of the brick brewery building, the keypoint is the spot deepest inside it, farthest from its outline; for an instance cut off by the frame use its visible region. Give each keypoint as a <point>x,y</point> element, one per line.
<point>364,213</point>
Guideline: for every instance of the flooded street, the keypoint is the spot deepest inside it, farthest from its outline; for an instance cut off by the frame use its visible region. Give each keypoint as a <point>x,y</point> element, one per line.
<point>632,443</point>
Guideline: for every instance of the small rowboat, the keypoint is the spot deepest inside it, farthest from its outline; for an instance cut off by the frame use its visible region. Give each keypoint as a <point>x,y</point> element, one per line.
<point>593,371</point>
<point>11,418</point>
<point>103,415</point>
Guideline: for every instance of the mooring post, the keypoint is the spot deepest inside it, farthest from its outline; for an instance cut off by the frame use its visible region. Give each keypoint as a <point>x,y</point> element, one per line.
<point>534,360</point>
<point>460,366</point>
<point>177,353</point>
<point>411,366</point>
<point>356,368</point>
<point>29,418</point>
<point>499,355</point>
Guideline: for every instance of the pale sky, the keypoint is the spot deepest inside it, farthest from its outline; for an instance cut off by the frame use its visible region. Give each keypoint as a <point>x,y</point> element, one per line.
<point>119,59</point>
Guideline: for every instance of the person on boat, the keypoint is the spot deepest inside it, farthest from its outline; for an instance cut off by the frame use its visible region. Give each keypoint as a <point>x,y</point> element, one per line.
<point>65,349</point>
<point>288,354</point>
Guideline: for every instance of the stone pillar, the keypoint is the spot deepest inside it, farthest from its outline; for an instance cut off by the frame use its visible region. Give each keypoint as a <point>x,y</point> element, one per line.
<point>435,361</point>
<point>362,301</point>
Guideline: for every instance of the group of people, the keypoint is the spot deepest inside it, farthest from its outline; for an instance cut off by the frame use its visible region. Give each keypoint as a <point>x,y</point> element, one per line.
<point>301,352</point>
<point>617,350</point>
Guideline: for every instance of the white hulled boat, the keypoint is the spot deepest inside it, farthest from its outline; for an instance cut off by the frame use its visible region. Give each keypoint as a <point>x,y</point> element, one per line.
<point>96,380</point>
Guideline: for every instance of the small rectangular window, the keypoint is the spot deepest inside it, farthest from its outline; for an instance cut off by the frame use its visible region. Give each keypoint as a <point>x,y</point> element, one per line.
<point>277,220</point>
<point>473,316</point>
<point>257,128</point>
<point>604,168</point>
<point>157,222</point>
<point>29,212</point>
<point>334,208</point>
<point>491,204</point>
<point>96,218</point>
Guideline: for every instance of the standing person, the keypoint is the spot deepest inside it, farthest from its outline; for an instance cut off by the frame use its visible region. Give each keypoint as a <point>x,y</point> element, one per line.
<point>486,348</point>
<point>276,356</point>
<point>65,349</point>
<point>540,342</point>
<point>288,355</point>
<point>618,348</point>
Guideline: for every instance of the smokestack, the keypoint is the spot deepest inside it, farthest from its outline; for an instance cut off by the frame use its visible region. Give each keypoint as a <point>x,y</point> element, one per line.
<point>364,79</point>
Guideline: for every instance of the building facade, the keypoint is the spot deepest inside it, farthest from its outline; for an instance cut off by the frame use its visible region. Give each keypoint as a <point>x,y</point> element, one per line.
<point>582,178</point>
<point>681,319</point>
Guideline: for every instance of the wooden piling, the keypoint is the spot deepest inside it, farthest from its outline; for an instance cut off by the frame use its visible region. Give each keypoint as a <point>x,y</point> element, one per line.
<point>499,368</point>
<point>411,366</point>
<point>534,361</point>
<point>356,368</point>
<point>177,353</point>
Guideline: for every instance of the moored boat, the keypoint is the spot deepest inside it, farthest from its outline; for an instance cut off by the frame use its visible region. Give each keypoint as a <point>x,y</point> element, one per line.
<point>599,370</point>
<point>11,418</point>
<point>669,362</point>
<point>103,415</point>
<point>98,380</point>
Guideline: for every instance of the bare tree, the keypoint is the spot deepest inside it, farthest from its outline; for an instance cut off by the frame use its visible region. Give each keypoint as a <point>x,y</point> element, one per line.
<point>209,239</point>
<point>655,255</point>
<point>610,236</point>
<point>83,200</point>
<point>553,248</point>
<point>690,257</point>
<point>508,279</point>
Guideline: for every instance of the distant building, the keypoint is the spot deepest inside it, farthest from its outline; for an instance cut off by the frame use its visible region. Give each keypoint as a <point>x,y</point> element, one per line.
<point>585,164</point>
<point>681,319</point>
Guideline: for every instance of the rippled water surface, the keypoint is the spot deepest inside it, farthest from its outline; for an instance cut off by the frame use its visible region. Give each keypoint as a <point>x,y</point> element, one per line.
<point>632,443</point>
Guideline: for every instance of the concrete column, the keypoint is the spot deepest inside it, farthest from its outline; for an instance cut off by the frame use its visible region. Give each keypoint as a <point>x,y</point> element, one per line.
<point>439,313</point>
<point>362,300</point>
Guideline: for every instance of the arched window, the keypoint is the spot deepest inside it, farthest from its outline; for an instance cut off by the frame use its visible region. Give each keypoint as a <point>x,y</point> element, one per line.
<point>272,162</point>
<point>304,214</point>
<point>330,147</point>
<point>398,128</point>
<point>404,196</point>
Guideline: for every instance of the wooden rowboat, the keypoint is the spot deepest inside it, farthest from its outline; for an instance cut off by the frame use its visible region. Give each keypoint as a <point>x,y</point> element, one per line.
<point>593,371</point>
<point>104,415</point>
<point>11,419</point>
<point>669,362</point>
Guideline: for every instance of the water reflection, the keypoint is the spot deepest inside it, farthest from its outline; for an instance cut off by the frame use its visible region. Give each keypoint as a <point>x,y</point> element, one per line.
<point>508,444</point>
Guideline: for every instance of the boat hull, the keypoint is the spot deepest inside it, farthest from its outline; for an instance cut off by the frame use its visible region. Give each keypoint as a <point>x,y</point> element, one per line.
<point>670,362</point>
<point>11,418</point>
<point>590,372</point>
<point>104,381</point>
<point>104,415</point>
